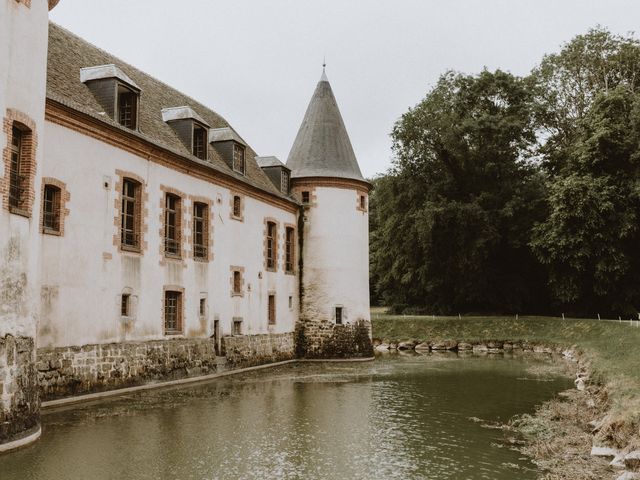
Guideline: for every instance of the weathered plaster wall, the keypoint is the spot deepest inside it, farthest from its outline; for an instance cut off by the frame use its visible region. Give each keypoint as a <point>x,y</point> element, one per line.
<point>336,257</point>
<point>84,273</point>
<point>23,61</point>
<point>68,371</point>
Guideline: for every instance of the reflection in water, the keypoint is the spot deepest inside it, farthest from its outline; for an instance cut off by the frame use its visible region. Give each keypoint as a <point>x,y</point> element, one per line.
<point>398,417</point>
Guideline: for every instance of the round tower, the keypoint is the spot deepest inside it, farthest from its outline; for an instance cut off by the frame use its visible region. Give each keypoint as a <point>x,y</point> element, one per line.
<point>334,242</point>
<point>23,67</point>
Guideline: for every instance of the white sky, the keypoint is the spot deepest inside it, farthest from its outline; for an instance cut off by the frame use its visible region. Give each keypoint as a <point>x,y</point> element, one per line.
<point>257,62</point>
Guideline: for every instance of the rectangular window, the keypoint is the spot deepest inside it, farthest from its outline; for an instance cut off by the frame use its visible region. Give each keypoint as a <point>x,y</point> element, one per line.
<point>290,302</point>
<point>16,181</point>
<point>199,148</point>
<point>130,216</point>
<point>127,107</point>
<point>238,158</point>
<point>200,230</point>
<point>305,198</point>
<point>363,202</point>
<point>172,312</point>
<point>125,305</point>
<point>172,225</point>
<point>237,206</point>
<point>272,310</point>
<point>237,282</point>
<point>338,315</point>
<point>284,182</point>
<point>203,307</point>
<point>51,209</point>
<point>289,250</point>
<point>271,246</point>
<point>237,326</point>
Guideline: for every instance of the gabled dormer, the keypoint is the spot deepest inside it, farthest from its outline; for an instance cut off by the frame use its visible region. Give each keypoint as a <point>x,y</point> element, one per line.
<point>277,172</point>
<point>192,130</point>
<point>231,148</point>
<point>115,92</point>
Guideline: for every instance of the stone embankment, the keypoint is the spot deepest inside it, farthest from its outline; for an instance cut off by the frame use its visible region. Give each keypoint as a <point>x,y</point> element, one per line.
<point>574,423</point>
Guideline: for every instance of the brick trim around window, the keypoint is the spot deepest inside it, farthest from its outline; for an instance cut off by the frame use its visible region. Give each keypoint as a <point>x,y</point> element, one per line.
<point>276,250</point>
<point>234,292</point>
<point>62,210</point>
<point>294,243</point>
<point>27,3</point>
<point>232,196</point>
<point>208,232</point>
<point>27,161</point>
<point>297,193</point>
<point>180,237</point>
<point>141,212</point>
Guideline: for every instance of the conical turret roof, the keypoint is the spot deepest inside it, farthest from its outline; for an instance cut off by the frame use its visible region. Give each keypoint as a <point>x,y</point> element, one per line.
<point>322,147</point>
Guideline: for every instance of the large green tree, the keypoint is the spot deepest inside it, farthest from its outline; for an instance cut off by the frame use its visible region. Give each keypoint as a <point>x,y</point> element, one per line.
<point>451,219</point>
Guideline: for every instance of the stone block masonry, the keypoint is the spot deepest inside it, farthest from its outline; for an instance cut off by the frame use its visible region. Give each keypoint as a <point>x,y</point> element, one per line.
<point>19,402</point>
<point>327,340</point>
<point>69,371</point>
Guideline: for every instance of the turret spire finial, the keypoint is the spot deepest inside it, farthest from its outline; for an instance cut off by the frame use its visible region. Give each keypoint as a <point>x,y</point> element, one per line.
<point>324,78</point>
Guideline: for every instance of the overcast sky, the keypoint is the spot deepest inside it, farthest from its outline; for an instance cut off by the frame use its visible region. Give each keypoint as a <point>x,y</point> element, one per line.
<point>257,62</point>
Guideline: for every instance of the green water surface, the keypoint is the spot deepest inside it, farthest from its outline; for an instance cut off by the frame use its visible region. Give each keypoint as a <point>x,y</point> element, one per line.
<point>402,416</point>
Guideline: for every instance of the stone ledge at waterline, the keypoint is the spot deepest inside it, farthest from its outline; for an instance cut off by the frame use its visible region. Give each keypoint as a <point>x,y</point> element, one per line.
<point>69,371</point>
<point>490,346</point>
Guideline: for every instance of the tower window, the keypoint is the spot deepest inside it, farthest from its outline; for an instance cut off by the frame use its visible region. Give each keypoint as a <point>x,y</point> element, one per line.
<point>200,230</point>
<point>51,209</point>
<point>202,310</point>
<point>238,158</point>
<point>289,250</point>
<point>172,225</point>
<point>199,148</point>
<point>172,312</point>
<point>130,215</point>
<point>272,310</point>
<point>290,302</point>
<point>338,315</point>
<point>284,181</point>
<point>363,202</point>
<point>125,305</point>
<point>237,326</point>
<point>237,206</point>
<point>305,198</point>
<point>237,282</point>
<point>127,114</point>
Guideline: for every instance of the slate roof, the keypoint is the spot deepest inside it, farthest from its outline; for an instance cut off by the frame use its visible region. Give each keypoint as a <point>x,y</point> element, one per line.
<point>270,162</point>
<point>322,147</point>
<point>69,53</point>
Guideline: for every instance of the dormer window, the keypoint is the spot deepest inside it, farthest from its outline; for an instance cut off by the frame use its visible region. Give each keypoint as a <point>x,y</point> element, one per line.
<point>190,128</point>
<point>127,107</point>
<point>238,158</point>
<point>277,172</point>
<point>199,148</point>
<point>115,91</point>
<point>284,182</point>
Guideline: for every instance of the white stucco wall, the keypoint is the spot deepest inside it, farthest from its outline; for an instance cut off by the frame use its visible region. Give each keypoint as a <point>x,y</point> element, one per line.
<point>23,63</point>
<point>336,256</point>
<point>82,287</point>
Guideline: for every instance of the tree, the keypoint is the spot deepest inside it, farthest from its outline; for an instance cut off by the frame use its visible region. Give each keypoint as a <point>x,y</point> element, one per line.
<point>451,219</point>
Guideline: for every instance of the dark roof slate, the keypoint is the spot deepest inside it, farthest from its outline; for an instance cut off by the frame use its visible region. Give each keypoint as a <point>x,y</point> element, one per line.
<point>322,147</point>
<point>69,53</point>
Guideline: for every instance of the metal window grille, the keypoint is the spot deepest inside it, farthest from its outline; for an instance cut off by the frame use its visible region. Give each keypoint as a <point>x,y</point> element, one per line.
<point>172,225</point>
<point>16,181</point>
<point>236,206</point>
<point>200,228</point>
<point>51,208</point>
<point>124,305</point>
<point>129,228</point>
<point>172,312</point>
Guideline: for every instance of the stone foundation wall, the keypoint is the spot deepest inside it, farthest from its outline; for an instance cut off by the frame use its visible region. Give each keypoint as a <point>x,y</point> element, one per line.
<point>327,340</point>
<point>68,371</point>
<point>248,350</point>
<point>19,402</point>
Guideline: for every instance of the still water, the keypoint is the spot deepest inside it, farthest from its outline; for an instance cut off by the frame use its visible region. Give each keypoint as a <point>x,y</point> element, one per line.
<point>402,416</point>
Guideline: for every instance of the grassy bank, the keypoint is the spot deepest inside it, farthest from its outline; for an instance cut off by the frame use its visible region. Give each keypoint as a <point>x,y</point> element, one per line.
<point>611,349</point>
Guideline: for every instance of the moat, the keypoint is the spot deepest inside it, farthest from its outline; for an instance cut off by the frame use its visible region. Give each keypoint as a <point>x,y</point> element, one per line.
<point>402,416</point>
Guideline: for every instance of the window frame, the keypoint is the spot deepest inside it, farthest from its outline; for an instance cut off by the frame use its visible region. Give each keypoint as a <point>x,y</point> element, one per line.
<point>123,92</point>
<point>271,253</point>
<point>289,249</point>
<point>307,200</point>
<point>237,148</point>
<point>284,181</point>
<point>200,149</point>
<point>271,309</point>
<point>135,217</point>
<point>172,231</point>
<point>339,314</point>
<point>236,283</point>
<point>55,206</point>
<point>172,306</point>
<point>125,305</point>
<point>200,227</point>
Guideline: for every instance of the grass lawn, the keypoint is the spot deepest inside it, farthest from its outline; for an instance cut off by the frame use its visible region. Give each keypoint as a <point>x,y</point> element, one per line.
<point>611,348</point>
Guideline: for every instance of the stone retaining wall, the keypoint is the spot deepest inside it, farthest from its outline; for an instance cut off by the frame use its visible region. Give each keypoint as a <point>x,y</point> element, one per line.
<point>328,340</point>
<point>248,350</point>
<point>19,404</point>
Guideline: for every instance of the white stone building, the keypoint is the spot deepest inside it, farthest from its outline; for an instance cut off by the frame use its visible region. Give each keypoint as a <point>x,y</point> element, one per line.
<point>142,239</point>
